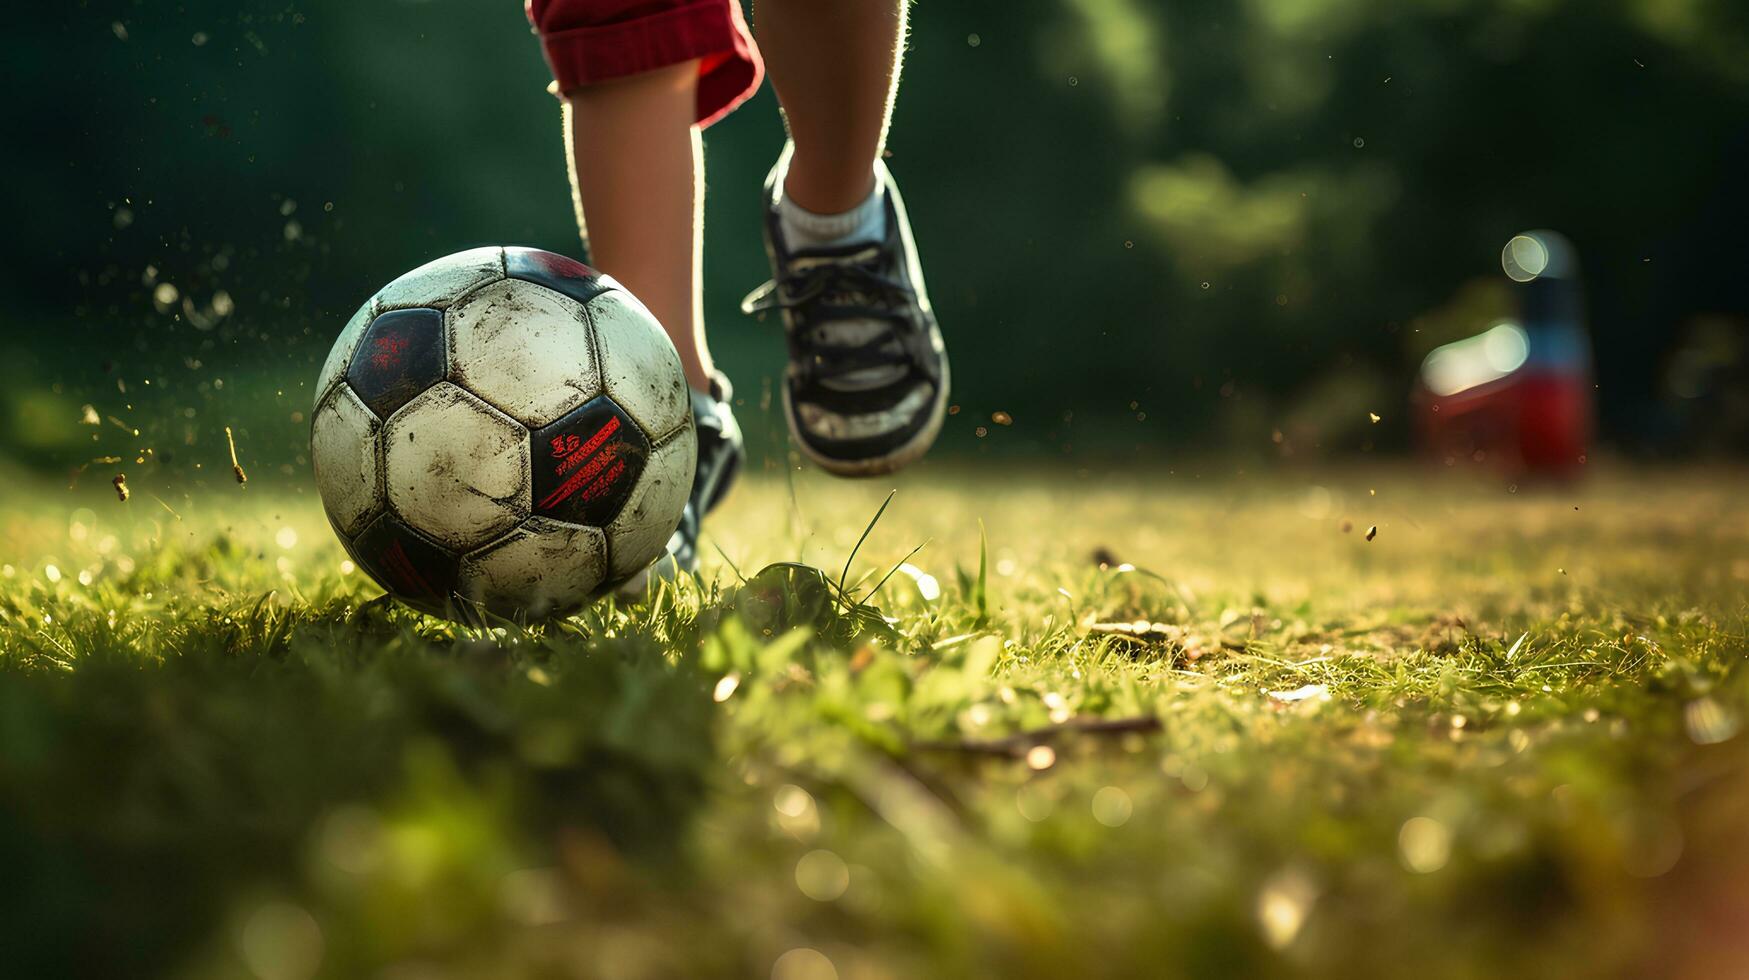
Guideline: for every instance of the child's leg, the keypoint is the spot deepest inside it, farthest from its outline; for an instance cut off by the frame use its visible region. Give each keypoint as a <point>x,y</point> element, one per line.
<point>866,388</point>
<point>640,78</point>
<point>637,170</point>
<point>835,66</point>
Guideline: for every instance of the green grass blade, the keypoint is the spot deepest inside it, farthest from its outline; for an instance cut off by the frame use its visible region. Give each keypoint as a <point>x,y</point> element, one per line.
<point>981,594</point>
<point>845,574</point>
<point>891,571</point>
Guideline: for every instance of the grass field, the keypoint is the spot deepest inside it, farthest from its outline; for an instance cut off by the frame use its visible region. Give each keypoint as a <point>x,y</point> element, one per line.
<point>1151,724</point>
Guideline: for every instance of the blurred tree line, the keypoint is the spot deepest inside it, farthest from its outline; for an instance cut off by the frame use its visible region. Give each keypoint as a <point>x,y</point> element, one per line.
<point>1149,227</point>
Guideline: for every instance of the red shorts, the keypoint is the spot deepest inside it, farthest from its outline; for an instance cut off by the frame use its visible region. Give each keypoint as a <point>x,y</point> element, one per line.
<point>590,41</point>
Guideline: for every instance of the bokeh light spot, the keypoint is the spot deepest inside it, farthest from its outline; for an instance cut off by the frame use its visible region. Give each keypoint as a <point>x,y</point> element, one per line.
<point>281,941</point>
<point>1425,844</point>
<point>803,963</point>
<point>1112,806</point>
<point>822,875</point>
<point>1524,258</point>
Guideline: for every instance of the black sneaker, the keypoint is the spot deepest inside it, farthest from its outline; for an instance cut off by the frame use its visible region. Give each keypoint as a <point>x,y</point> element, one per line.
<point>866,386</point>
<point>720,454</point>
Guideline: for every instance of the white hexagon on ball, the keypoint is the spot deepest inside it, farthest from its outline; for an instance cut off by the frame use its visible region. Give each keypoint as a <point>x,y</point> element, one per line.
<point>640,532</point>
<point>639,367</point>
<point>343,451</point>
<point>525,349</point>
<point>457,469</point>
<point>541,568</point>
<point>440,282</point>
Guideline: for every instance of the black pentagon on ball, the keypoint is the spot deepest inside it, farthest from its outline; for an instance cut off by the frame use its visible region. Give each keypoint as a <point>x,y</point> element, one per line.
<point>399,355</point>
<point>408,565</point>
<point>562,275</point>
<point>587,462</point>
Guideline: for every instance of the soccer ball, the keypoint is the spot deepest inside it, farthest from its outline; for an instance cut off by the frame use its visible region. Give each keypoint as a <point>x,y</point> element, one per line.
<point>503,428</point>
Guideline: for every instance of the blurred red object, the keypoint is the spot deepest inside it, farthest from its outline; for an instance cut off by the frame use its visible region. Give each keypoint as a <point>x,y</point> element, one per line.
<point>1530,421</point>
<point>1517,397</point>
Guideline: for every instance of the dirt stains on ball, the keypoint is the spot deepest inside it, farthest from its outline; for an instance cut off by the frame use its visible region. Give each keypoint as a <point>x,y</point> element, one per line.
<point>518,357</point>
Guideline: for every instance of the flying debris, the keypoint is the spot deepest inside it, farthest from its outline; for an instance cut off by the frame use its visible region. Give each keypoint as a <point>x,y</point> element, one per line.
<point>236,467</point>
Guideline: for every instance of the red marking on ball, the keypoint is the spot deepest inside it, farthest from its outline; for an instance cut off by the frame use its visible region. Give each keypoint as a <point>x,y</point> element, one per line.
<point>401,568</point>
<point>581,478</point>
<point>576,451</point>
<point>562,266</point>
<point>584,460</point>
<point>387,349</point>
<point>605,481</point>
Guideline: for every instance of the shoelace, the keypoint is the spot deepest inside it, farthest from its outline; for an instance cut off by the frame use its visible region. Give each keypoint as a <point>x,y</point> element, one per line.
<point>817,287</point>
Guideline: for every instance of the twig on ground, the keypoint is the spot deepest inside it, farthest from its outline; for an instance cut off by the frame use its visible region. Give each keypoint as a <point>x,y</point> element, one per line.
<point>1017,745</point>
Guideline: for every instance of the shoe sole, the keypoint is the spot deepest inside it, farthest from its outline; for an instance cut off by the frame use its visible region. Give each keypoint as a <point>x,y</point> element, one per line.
<point>910,452</point>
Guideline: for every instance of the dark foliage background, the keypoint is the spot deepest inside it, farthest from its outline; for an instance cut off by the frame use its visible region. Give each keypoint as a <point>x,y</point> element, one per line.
<point>1150,228</point>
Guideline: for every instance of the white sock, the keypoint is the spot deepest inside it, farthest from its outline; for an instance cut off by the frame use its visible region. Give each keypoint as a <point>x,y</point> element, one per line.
<point>867,222</point>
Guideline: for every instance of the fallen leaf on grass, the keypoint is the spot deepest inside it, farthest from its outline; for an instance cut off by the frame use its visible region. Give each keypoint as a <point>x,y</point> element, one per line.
<point>1184,645</point>
<point>1140,629</point>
